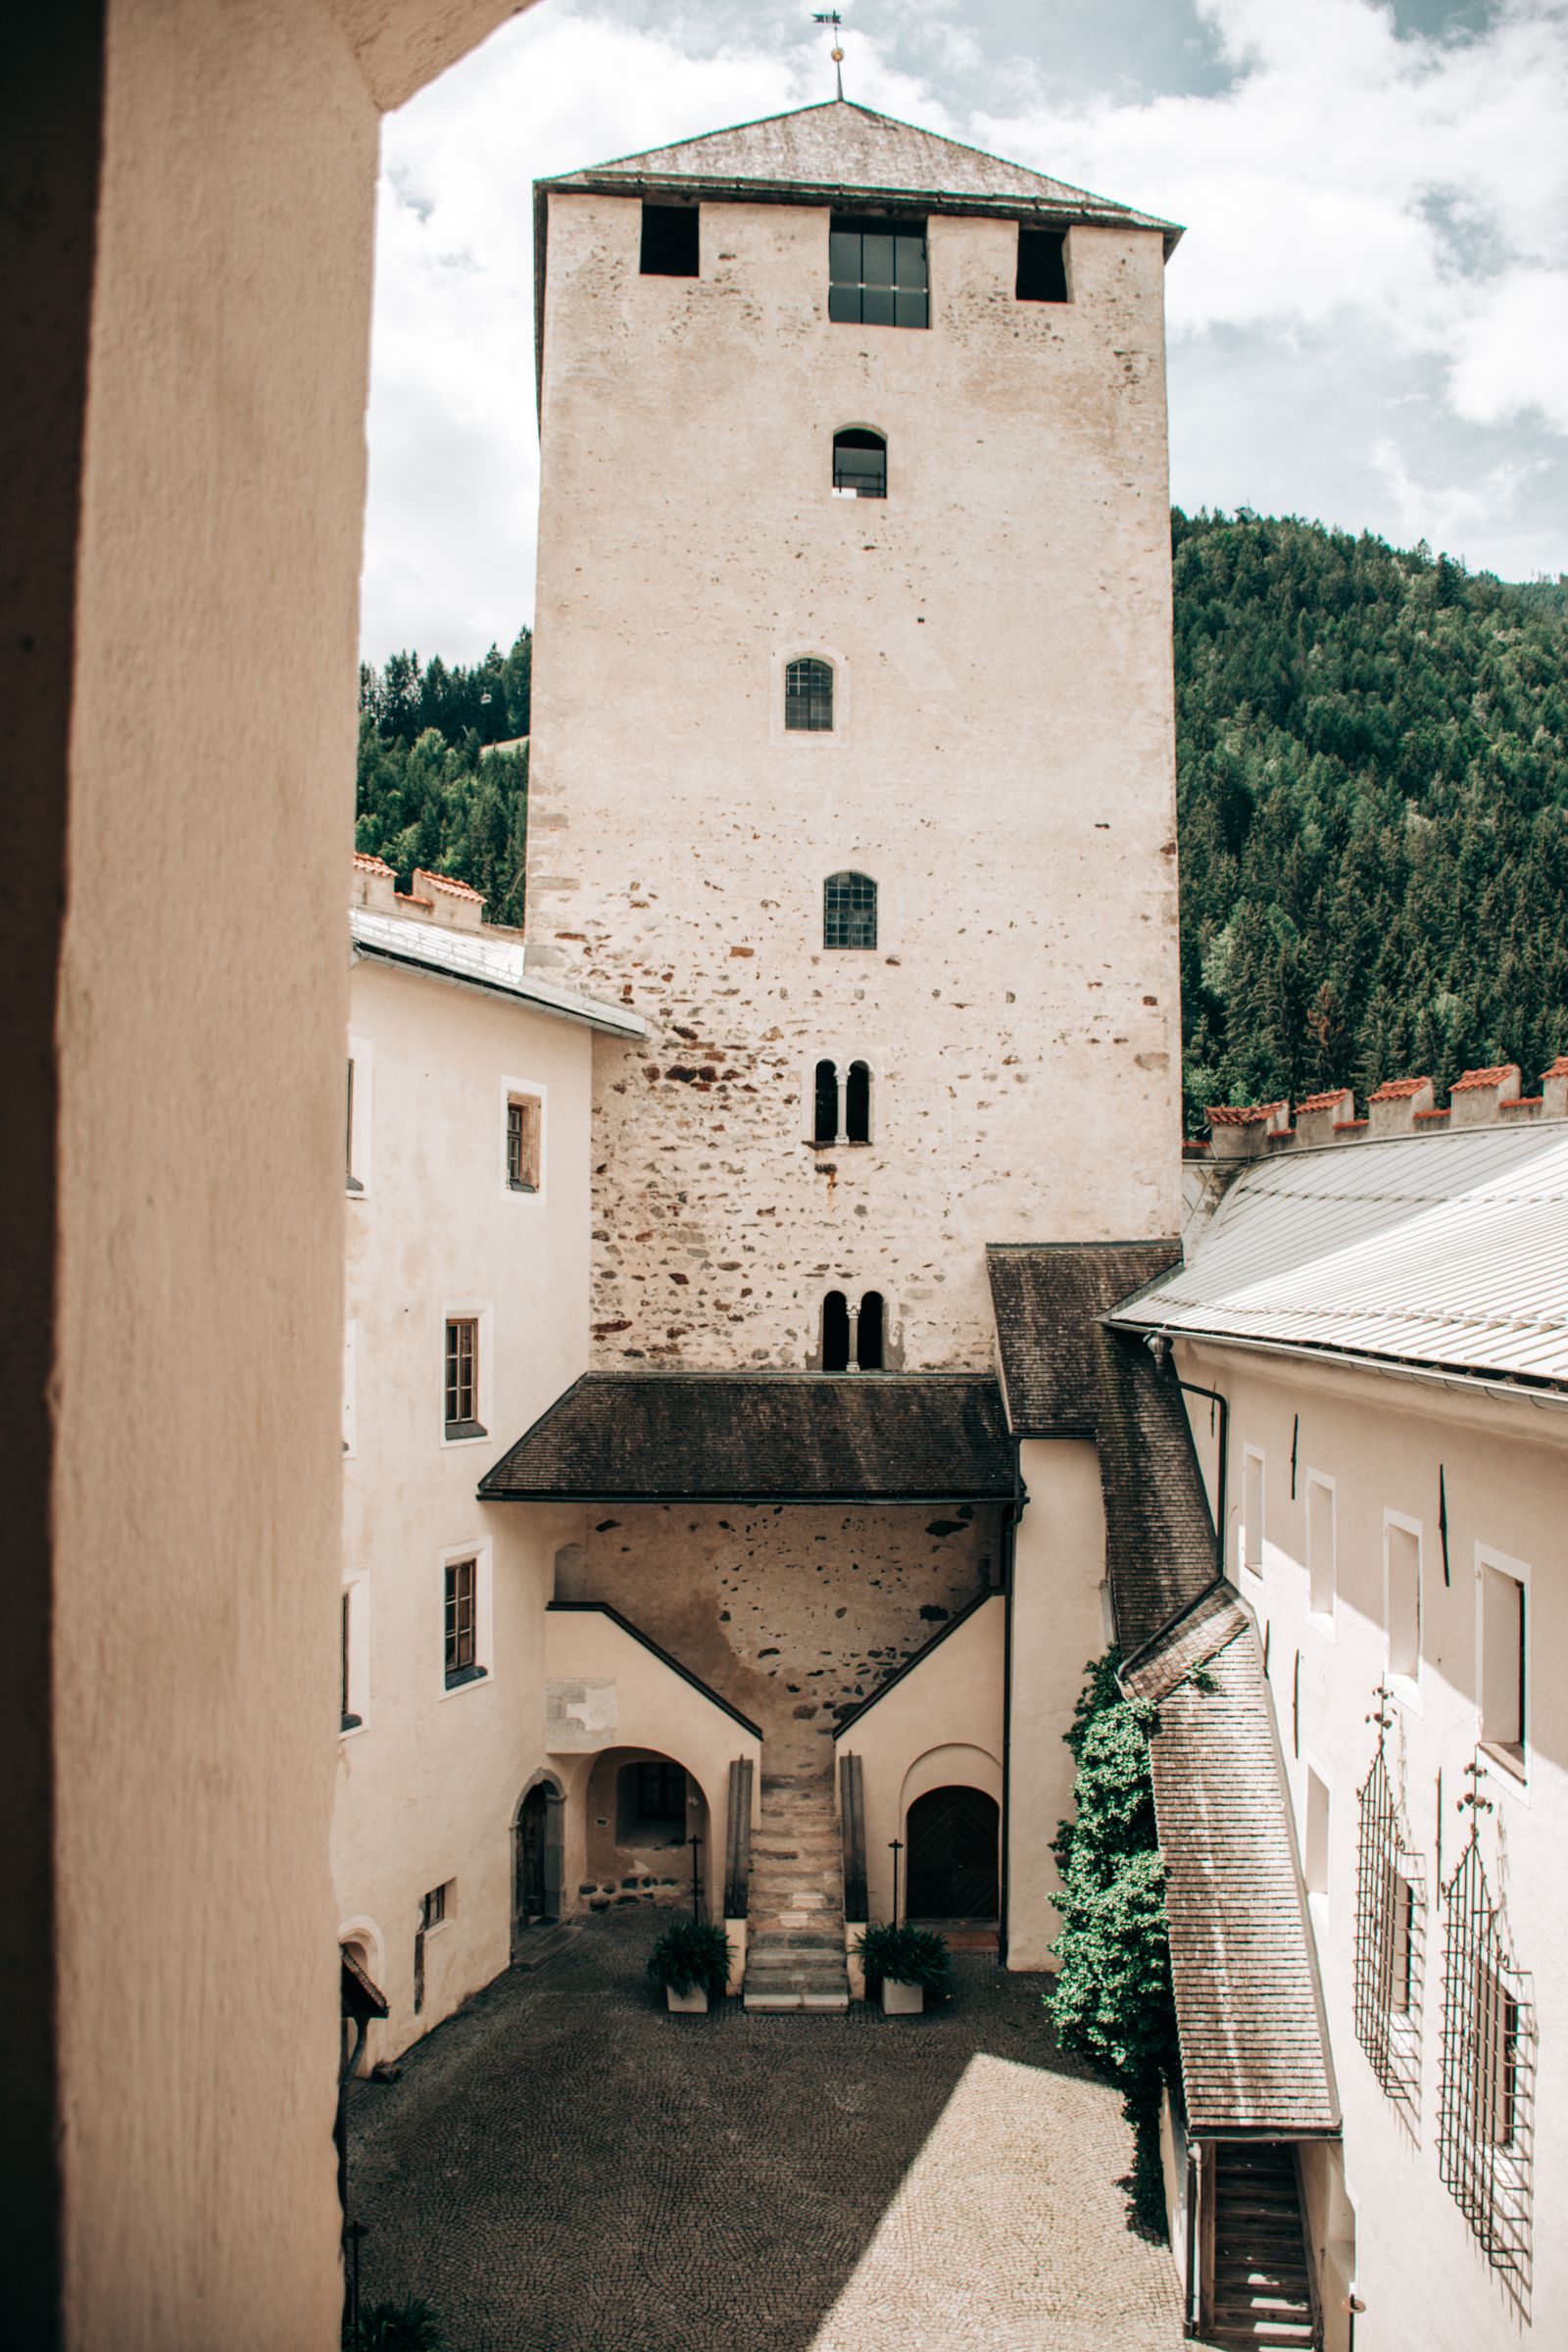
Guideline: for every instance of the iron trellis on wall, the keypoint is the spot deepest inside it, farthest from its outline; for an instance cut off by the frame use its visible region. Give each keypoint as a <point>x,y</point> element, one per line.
<point>1391,1905</point>
<point>1486,2127</point>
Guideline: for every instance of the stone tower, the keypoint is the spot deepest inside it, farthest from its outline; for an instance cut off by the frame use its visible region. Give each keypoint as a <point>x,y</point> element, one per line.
<point>852,755</point>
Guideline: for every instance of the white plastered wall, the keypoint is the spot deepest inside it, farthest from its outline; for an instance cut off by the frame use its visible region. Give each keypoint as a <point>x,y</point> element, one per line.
<point>1382,1441</point>
<point>941,1725</point>
<point>428,1786</point>
<point>606,1690</point>
<point>1058,1626</point>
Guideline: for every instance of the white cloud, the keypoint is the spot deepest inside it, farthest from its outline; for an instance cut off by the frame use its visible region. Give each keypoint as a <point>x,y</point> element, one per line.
<point>1372,216</point>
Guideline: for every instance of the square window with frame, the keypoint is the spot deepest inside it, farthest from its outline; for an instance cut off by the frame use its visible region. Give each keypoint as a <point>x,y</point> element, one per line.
<point>438,1906</point>
<point>462,1385</point>
<point>524,1142</point>
<point>1502,1602</point>
<point>877,274</point>
<point>461,1623</point>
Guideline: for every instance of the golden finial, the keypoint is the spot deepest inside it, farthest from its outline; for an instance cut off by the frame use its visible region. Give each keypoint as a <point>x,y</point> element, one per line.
<point>832,17</point>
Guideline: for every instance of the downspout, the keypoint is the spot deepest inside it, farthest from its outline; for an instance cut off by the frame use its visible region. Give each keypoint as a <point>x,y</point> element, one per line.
<point>1012,1512</point>
<point>1158,1343</point>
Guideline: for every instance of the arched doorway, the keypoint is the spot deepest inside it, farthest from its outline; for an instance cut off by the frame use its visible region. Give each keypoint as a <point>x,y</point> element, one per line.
<point>536,1860</point>
<point>954,1838</point>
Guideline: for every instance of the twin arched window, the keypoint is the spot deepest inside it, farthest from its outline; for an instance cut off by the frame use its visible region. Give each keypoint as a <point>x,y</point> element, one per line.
<point>853,1335</point>
<point>809,696</point>
<point>842,1115</point>
<point>860,462</point>
<point>849,912</point>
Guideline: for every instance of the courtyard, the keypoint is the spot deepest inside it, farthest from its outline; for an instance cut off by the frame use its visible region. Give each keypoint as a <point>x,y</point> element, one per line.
<point>565,2167</point>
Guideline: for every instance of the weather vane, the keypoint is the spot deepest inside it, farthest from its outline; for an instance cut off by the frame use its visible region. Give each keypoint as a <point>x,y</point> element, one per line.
<point>832,17</point>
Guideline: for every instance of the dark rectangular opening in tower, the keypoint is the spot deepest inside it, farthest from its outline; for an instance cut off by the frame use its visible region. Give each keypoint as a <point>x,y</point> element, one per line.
<point>877,271</point>
<point>670,240</point>
<point>1042,265</point>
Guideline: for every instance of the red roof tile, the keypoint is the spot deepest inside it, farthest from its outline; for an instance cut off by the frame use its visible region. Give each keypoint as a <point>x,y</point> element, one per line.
<point>1558,1070</point>
<point>459,890</point>
<point>1247,1115</point>
<point>1400,1090</point>
<point>1335,1096</point>
<point>370,865</point>
<point>1438,1114</point>
<point>1523,1102</point>
<point>1491,1077</point>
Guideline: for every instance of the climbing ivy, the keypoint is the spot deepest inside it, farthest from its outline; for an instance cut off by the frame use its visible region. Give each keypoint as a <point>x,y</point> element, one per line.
<point>1111,2000</point>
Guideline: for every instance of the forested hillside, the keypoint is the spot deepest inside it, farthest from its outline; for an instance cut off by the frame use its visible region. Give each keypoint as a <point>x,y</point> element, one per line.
<point>427,792</point>
<point>1372,760</point>
<point>1372,753</point>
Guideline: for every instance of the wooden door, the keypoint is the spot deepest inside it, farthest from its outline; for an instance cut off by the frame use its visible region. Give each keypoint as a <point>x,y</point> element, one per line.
<point>954,1841</point>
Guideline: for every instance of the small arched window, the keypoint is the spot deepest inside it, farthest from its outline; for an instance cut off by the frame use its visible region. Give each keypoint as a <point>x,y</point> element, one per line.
<point>849,912</point>
<point>835,1332</point>
<point>860,462</point>
<point>869,1333</point>
<point>825,1121</point>
<point>857,1103</point>
<point>809,697</point>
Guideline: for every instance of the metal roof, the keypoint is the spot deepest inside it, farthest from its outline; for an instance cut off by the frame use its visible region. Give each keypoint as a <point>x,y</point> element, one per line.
<point>484,961</point>
<point>1449,1252</point>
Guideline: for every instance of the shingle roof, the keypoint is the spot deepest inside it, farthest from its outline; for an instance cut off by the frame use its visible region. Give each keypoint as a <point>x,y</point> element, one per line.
<point>1446,1250</point>
<point>1254,2050</point>
<point>1399,1090</point>
<point>1494,1076</point>
<point>1254,2046</point>
<point>839,147</point>
<point>781,1437</point>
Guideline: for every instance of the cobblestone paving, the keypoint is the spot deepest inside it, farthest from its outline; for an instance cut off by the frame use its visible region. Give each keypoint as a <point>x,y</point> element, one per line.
<point>566,2167</point>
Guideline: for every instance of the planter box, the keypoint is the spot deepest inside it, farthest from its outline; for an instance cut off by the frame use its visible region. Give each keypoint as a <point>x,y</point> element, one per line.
<point>694,2004</point>
<point>900,1999</point>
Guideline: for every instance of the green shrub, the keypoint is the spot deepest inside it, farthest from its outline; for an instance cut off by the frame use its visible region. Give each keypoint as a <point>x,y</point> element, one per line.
<point>908,1955</point>
<point>691,1957</point>
<point>1112,2001</point>
<point>411,2327</point>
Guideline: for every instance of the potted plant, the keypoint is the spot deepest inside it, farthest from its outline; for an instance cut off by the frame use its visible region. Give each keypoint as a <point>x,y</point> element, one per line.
<point>907,1963</point>
<point>692,1962</point>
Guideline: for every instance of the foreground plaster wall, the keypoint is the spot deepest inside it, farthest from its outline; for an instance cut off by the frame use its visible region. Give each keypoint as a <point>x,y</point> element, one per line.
<point>1505,1464</point>
<point>792,1613</point>
<point>1001,764</point>
<point>1058,1625</point>
<point>429,1784</point>
<point>180,1032</point>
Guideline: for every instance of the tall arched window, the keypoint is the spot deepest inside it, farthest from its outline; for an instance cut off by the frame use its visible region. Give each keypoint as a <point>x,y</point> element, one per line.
<point>835,1332</point>
<point>809,696</point>
<point>860,462</point>
<point>869,1333</point>
<point>825,1121</point>
<point>849,912</point>
<point>857,1103</point>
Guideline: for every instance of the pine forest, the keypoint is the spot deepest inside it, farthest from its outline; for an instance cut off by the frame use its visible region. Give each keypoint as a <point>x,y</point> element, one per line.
<point>1372,798</point>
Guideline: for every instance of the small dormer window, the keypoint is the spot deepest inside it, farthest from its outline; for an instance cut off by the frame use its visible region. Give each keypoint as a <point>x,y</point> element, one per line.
<point>877,271</point>
<point>670,246</point>
<point>1042,265</point>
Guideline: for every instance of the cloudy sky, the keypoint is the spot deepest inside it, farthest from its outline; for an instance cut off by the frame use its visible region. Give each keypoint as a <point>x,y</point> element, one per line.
<point>1369,314</point>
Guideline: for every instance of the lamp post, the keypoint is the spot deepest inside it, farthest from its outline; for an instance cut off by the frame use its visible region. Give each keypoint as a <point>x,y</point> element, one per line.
<point>896,1848</point>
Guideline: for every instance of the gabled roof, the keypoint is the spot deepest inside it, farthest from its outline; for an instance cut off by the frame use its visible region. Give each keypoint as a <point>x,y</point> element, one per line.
<point>1437,1251</point>
<point>766,1437</point>
<point>839,148</point>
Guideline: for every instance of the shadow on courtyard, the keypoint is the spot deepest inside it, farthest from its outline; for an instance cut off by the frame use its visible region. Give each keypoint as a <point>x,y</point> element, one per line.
<point>566,2167</point>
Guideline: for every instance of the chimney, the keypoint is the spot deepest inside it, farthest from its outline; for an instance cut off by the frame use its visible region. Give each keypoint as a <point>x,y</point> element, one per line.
<point>376,885</point>
<point>1476,1099</point>
<point>1317,1116</point>
<point>1243,1131</point>
<point>1554,1090</point>
<point>451,905</point>
<point>1394,1108</point>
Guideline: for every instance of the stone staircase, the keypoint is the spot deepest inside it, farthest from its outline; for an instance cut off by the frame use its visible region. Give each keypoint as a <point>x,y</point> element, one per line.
<point>795,1922</point>
<point>1261,2295</point>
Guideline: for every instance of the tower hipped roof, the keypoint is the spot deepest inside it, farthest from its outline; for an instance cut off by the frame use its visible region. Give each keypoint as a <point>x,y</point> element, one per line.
<point>840,149</point>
